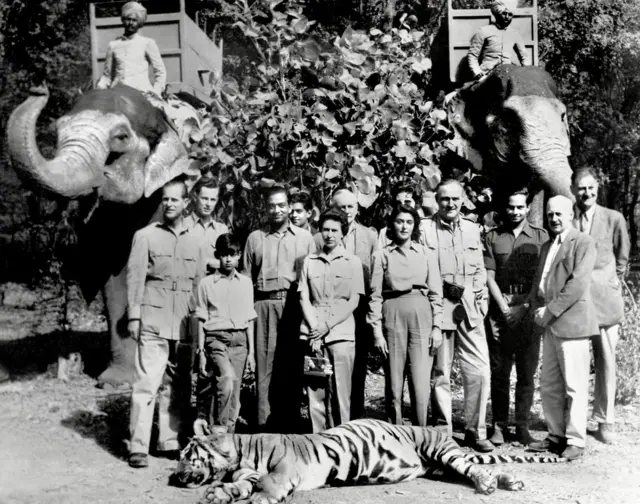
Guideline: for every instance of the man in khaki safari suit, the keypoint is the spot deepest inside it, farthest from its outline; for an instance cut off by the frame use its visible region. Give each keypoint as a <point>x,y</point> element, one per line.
<point>457,244</point>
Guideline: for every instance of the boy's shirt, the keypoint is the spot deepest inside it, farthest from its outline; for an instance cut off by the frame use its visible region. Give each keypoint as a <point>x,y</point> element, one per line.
<point>225,302</point>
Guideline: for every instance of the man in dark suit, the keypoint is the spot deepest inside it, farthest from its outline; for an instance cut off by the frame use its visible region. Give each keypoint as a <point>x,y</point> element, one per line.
<point>362,242</point>
<point>609,229</point>
<point>562,303</point>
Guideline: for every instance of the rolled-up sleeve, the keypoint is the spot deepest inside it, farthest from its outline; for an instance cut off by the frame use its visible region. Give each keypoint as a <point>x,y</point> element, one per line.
<point>202,309</point>
<point>374,315</point>
<point>136,274</point>
<point>434,283</point>
<point>252,314</point>
<point>487,252</point>
<point>358,276</point>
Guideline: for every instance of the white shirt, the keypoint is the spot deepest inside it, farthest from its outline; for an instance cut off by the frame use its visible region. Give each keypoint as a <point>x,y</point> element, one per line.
<point>553,251</point>
<point>587,218</point>
<point>128,61</point>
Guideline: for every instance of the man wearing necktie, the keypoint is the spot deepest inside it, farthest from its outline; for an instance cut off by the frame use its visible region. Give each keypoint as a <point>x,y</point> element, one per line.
<point>562,303</point>
<point>608,228</point>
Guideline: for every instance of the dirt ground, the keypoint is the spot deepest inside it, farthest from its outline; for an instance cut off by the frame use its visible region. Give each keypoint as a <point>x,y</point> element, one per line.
<point>63,443</point>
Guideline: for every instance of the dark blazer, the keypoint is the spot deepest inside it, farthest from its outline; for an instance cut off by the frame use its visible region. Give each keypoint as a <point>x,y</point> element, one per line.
<point>567,284</point>
<point>609,230</point>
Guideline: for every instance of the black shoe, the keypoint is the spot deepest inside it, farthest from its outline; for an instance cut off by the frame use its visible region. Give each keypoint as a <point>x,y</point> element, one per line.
<point>138,460</point>
<point>572,452</point>
<point>546,445</point>
<point>479,445</point>
<point>605,433</point>
<point>523,436</point>
<point>169,454</point>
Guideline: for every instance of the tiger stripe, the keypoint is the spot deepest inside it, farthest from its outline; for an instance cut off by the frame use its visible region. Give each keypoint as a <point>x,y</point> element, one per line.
<point>266,468</point>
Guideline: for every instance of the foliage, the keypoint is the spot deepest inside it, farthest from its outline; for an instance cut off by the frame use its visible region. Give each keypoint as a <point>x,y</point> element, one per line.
<point>592,49</point>
<point>44,40</point>
<point>628,351</point>
<point>316,115</point>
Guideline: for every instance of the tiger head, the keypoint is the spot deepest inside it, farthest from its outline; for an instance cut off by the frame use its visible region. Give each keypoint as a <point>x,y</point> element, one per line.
<point>206,460</point>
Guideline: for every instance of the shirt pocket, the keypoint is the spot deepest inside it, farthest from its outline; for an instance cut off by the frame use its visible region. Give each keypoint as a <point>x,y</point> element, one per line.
<point>152,310</point>
<point>189,266</point>
<point>343,281</point>
<point>162,263</point>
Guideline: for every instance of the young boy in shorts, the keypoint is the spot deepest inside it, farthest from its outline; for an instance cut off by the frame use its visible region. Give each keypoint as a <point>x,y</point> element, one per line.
<point>224,308</point>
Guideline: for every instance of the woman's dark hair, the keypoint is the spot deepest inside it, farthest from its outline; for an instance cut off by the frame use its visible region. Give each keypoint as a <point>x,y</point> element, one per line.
<point>397,210</point>
<point>337,216</point>
<point>226,244</point>
<point>408,188</point>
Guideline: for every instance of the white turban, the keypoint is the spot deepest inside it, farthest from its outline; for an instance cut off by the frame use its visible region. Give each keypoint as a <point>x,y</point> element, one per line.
<point>136,9</point>
<point>499,6</point>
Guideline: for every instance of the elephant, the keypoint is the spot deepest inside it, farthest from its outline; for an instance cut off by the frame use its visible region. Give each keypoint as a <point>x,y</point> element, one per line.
<point>119,148</point>
<point>515,122</point>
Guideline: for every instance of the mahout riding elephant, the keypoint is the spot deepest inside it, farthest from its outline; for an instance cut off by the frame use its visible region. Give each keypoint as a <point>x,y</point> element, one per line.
<point>515,121</point>
<point>118,147</point>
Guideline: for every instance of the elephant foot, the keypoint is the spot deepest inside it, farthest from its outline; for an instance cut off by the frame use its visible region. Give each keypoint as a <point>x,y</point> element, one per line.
<point>120,372</point>
<point>116,376</point>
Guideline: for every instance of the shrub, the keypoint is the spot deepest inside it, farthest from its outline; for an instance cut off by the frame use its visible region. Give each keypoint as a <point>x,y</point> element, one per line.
<point>316,115</point>
<point>628,351</point>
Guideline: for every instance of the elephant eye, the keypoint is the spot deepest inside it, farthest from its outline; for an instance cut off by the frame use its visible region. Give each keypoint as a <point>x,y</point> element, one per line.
<point>121,137</point>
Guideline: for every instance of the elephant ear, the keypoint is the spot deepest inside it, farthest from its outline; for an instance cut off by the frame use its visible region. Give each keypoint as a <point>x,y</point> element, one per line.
<point>504,129</point>
<point>168,159</point>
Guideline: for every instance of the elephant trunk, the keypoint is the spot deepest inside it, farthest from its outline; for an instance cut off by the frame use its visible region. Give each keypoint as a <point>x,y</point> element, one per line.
<point>75,169</point>
<point>544,142</point>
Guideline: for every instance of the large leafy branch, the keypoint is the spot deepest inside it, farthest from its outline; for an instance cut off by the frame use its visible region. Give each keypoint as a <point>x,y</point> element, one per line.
<point>317,115</point>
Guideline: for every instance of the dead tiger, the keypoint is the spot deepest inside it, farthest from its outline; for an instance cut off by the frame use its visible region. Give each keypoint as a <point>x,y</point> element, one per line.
<point>266,468</point>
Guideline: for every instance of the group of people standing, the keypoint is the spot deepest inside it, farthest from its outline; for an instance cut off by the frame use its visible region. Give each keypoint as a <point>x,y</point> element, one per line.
<point>422,291</point>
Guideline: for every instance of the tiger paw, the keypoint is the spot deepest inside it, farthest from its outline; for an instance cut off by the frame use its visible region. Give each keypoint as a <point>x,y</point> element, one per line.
<point>486,483</point>
<point>262,498</point>
<point>510,482</point>
<point>220,494</point>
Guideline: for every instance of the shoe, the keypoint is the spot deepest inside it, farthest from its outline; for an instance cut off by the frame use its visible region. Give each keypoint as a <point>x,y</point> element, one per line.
<point>523,436</point>
<point>138,460</point>
<point>497,438</point>
<point>572,452</point>
<point>479,445</point>
<point>605,433</point>
<point>169,454</point>
<point>546,445</point>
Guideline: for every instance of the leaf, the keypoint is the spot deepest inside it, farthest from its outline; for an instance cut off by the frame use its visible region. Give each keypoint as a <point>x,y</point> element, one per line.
<point>402,150</point>
<point>301,25</point>
<point>224,158</point>
<point>421,66</point>
<point>331,174</point>
<point>266,182</point>
<point>432,176</point>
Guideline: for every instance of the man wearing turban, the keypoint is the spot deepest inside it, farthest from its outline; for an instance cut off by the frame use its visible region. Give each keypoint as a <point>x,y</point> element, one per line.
<point>129,56</point>
<point>492,44</point>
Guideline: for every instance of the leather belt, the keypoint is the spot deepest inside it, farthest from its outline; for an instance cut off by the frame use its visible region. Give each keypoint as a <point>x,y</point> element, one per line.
<point>264,295</point>
<point>415,289</point>
<point>180,284</point>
